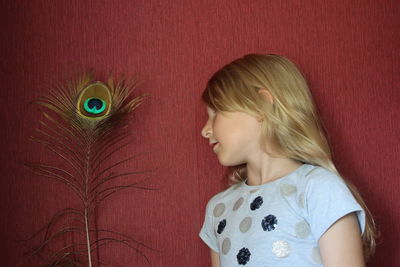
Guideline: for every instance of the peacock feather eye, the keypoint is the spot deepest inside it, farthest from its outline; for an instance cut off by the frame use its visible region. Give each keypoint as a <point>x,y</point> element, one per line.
<point>94,101</point>
<point>94,105</point>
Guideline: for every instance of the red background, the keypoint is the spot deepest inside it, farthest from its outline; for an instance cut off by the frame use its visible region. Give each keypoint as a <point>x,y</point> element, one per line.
<point>348,50</point>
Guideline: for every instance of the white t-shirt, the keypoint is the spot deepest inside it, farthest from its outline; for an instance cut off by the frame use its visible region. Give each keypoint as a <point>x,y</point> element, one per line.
<point>277,224</point>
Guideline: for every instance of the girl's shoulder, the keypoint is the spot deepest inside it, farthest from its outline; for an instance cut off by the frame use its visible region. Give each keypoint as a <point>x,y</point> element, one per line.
<point>318,177</point>
<point>324,197</point>
<point>310,176</point>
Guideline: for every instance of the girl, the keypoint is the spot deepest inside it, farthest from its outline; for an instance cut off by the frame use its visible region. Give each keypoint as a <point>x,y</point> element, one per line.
<point>289,206</point>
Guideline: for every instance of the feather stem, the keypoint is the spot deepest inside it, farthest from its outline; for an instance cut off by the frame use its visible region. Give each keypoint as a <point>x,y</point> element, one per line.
<point>87,237</point>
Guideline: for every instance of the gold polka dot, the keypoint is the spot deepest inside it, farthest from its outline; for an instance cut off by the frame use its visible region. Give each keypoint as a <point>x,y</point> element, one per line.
<point>288,189</point>
<point>226,245</point>
<point>245,224</point>
<point>219,209</point>
<point>301,201</point>
<point>302,229</point>
<point>236,186</point>
<point>238,203</point>
<point>254,190</point>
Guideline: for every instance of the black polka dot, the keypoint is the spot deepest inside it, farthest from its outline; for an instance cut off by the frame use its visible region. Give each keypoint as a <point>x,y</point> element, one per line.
<point>243,256</point>
<point>221,226</point>
<point>269,223</point>
<point>257,202</point>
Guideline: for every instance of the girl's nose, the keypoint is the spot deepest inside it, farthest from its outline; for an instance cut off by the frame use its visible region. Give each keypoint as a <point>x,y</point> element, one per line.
<point>206,132</point>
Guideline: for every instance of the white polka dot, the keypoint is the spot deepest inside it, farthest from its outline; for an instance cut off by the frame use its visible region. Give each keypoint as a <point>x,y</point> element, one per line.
<point>219,209</point>
<point>281,248</point>
<point>226,246</point>
<point>316,256</point>
<point>302,229</point>
<point>288,189</point>
<point>245,224</point>
<point>238,203</point>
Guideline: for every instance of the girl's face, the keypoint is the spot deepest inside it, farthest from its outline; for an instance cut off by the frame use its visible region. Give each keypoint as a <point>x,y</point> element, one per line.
<point>234,136</point>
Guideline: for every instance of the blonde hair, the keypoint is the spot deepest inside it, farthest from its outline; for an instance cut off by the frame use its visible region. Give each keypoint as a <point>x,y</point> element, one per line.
<point>291,122</point>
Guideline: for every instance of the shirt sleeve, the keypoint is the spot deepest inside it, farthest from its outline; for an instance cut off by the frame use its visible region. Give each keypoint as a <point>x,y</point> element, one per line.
<point>207,232</point>
<point>327,200</point>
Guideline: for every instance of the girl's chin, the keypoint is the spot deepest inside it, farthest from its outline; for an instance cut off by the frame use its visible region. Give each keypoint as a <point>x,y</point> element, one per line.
<point>221,160</point>
<point>226,162</point>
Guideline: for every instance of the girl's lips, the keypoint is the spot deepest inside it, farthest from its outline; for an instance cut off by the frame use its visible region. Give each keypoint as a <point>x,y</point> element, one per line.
<point>214,146</point>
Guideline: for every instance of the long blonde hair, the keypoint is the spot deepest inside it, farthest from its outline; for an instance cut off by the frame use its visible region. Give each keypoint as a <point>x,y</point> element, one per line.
<point>292,122</point>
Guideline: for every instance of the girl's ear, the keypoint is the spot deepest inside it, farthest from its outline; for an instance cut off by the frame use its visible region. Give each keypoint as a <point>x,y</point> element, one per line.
<point>266,95</point>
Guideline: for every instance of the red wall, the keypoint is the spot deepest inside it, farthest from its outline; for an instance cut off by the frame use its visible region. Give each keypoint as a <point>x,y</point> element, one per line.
<point>348,50</point>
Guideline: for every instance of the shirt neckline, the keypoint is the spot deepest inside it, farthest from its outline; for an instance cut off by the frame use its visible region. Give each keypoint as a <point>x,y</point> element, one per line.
<point>267,184</point>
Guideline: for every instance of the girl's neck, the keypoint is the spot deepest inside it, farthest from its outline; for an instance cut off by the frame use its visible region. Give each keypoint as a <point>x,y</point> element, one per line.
<point>266,169</point>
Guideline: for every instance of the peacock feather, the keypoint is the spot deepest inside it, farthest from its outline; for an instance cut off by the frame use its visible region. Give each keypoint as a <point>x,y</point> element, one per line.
<point>85,123</point>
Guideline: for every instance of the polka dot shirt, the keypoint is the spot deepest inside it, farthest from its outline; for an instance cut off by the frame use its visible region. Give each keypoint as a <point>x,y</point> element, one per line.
<point>277,223</point>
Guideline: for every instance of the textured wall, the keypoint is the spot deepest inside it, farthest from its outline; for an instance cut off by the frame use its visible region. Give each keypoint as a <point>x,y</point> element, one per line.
<point>348,50</point>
